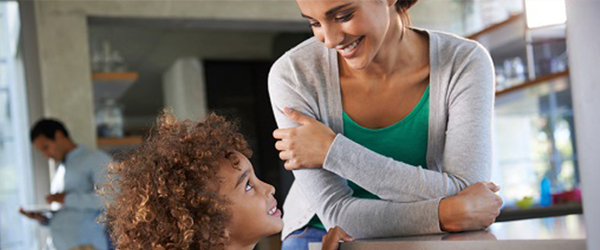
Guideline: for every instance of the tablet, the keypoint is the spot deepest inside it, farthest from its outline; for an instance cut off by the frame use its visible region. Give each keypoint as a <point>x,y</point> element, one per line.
<point>40,208</point>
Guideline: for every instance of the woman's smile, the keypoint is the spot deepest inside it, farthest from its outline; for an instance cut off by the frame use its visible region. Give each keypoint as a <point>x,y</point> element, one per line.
<point>349,51</point>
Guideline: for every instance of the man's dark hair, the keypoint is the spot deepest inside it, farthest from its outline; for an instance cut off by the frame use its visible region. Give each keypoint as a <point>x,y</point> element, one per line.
<point>47,128</point>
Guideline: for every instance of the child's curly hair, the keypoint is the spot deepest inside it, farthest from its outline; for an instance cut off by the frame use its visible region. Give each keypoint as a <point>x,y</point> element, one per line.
<point>165,194</point>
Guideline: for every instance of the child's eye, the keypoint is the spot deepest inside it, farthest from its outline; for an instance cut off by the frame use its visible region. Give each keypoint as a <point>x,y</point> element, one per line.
<point>248,186</point>
<point>315,24</point>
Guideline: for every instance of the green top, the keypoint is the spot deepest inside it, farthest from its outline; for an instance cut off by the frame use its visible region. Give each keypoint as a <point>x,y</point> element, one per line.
<point>405,141</point>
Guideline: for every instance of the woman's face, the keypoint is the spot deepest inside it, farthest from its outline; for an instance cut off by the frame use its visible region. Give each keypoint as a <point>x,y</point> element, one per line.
<point>253,206</point>
<point>355,28</point>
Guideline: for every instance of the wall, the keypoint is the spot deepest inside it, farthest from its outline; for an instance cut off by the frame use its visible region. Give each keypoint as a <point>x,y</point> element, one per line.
<point>185,89</point>
<point>439,15</point>
<point>40,174</point>
<point>583,44</point>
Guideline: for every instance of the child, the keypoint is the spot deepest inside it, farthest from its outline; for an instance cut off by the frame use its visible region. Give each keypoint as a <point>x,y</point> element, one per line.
<point>191,186</point>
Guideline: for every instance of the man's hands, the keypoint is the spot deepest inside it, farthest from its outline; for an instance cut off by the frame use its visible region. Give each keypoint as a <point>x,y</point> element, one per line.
<point>60,198</point>
<point>474,208</point>
<point>33,215</point>
<point>331,241</point>
<point>305,146</point>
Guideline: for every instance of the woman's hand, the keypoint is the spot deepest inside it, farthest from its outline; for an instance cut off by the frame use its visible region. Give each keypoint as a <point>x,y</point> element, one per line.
<point>474,208</point>
<point>305,146</point>
<point>331,241</point>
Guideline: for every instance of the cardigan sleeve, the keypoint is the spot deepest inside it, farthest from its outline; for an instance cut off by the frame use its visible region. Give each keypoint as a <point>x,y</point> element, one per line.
<point>328,193</point>
<point>467,153</point>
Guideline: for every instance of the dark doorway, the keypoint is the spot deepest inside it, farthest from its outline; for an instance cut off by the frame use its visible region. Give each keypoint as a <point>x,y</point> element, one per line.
<point>238,90</point>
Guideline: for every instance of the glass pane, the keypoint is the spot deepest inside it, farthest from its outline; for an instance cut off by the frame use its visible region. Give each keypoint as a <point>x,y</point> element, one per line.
<point>16,232</point>
<point>534,136</point>
<point>11,235</point>
<point>3,75</point>
<point>5,120</point>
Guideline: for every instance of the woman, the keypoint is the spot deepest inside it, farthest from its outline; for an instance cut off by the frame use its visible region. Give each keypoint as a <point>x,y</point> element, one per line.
<point>403,114</point>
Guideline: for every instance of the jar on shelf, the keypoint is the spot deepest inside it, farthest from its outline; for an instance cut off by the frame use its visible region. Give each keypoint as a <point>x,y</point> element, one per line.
<point>500,79</point>
<point>109,119</point>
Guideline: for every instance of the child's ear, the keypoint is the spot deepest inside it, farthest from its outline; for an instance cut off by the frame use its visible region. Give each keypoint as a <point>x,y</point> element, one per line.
<point>227,233</point>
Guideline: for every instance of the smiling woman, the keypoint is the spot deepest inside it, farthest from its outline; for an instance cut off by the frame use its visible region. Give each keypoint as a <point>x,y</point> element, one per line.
<point>395,122</point>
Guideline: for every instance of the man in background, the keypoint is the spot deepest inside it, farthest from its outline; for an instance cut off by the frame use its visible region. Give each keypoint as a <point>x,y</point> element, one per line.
<point>74,224</point>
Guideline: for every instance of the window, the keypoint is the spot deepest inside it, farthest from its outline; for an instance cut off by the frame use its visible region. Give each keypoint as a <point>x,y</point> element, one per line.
<point>534,138</point>
<point>16,232</point>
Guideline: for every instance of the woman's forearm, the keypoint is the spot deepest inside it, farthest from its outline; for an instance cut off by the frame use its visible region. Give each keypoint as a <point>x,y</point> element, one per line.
<point>467,150</point>
<point>395,180</point>
<point>332,200</point>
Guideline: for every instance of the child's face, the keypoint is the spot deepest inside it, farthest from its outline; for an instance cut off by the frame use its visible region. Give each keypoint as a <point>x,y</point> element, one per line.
<point>253,206</point>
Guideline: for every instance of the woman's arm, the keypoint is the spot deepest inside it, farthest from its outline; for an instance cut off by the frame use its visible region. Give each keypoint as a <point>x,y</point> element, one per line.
<point>466,159</point>
<point>331,198</point>
<point>329,195</point>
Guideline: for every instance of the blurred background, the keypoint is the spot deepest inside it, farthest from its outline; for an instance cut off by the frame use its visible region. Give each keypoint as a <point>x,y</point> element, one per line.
<point>106,68</point>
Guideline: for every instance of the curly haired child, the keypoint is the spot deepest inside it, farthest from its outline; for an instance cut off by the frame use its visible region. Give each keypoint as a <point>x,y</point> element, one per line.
<point>190,185</point>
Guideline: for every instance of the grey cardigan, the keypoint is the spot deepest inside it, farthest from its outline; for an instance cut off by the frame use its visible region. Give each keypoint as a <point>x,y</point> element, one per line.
<point>459,151</point>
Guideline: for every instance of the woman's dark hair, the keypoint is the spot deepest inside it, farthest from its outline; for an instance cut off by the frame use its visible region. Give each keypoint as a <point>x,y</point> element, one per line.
<point>47,128</point>
<point>402,7</point>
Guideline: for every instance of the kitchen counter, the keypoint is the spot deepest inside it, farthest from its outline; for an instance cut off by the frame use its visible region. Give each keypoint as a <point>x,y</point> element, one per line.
<point>565,232</point>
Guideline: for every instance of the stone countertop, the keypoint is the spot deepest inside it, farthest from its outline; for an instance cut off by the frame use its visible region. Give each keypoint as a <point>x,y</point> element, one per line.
<point>565,232</point>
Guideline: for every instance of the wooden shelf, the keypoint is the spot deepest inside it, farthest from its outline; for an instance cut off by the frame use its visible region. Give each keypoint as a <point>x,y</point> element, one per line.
<point>497,26</point>
<point>112,84</point>
<point>115,76</point>
<point>123,141</point>
<point>537,81</point>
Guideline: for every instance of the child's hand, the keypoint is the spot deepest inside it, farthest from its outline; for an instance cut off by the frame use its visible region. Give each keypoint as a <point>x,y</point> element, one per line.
<point>331,241</point>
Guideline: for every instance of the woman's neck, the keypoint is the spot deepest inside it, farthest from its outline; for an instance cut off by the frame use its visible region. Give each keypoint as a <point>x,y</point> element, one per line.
<point>401,51</point>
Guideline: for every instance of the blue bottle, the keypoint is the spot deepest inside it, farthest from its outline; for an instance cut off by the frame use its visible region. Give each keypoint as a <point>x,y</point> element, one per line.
<point>545,196</point>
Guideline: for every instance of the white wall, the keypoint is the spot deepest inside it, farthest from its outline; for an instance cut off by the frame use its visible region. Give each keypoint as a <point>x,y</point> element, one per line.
<point>184,89</point>
<point>439,15</point>
<point>40,174</point>
<point>583,44</point>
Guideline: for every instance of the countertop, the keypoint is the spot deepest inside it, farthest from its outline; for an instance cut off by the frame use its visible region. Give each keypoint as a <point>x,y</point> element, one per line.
<point>565,232</point>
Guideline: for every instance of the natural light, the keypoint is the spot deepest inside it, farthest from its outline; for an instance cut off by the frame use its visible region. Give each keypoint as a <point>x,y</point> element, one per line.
<point>545,12</point>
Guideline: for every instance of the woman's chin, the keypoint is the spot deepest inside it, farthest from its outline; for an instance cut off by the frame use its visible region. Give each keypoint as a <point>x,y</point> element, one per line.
<point>357,63</point>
